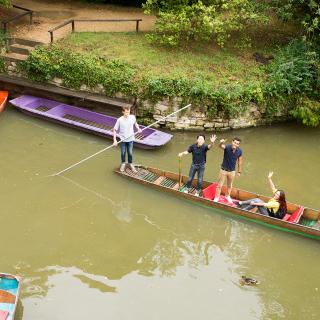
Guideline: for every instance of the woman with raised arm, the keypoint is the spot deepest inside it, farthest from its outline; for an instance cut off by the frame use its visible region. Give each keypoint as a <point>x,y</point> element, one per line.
<point>276,207</point>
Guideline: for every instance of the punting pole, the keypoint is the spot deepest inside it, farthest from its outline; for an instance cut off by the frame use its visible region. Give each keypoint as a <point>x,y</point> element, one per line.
<point>109,147</point>
<point>180,175</point>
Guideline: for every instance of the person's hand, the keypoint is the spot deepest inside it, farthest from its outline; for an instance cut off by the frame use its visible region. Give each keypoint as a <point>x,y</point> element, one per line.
<point>223,141</point>
<point>270,174</point>
<point>213,138</point>
<point>180,154</point>
<point>238,174</point>
<point>139,130</point>
<point>115,143</point>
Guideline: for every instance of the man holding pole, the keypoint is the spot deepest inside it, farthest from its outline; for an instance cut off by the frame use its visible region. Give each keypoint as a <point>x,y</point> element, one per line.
<point>199,156</point>
<point>125,127</point>
<point>232,155</point>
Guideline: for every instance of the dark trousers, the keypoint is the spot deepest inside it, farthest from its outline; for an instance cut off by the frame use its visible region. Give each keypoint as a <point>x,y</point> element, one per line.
<point>196,168</point>
<point>126,147</point>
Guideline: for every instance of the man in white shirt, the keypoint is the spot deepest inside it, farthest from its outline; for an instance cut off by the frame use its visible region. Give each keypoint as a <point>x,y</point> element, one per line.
<point>125,128</point>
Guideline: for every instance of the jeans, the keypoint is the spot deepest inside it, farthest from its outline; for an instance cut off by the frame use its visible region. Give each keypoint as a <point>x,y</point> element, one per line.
<point>248,206</point>
<point>126,147</point>
<point>193,169</point>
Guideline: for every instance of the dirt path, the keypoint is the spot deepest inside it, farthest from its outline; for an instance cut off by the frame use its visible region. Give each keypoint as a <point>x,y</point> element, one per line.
<point>48,15</point>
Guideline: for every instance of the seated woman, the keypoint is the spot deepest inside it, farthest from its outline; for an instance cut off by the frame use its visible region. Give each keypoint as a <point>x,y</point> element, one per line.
<point>276,207</point>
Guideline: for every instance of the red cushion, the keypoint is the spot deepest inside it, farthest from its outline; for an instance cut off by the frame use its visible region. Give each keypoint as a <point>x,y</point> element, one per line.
<point>3,315</point>
<point>210,191</point>
<point>295,216</point>
<point>286,217</point>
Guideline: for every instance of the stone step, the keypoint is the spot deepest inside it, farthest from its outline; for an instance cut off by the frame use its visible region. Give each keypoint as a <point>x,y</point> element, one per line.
<point>21,49</point>
<point>14,57</point>
<point>25,42</point>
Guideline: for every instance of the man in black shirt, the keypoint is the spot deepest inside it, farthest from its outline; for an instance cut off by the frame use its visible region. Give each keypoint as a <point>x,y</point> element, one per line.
<point>232,156</point>
<point>199,153</point>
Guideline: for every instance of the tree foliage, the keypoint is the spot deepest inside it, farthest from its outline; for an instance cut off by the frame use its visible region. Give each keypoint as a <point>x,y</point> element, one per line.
<point>307,12</point>
<point>180,21</point>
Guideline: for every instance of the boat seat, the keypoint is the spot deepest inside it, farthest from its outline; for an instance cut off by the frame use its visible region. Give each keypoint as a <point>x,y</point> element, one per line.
<point>210,191</point>
<point>3,315</point>
<point>295,216</point>
<point>7,297</point>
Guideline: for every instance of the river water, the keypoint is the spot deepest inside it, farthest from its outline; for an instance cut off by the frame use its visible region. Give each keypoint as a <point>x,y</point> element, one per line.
<point>93,245</point>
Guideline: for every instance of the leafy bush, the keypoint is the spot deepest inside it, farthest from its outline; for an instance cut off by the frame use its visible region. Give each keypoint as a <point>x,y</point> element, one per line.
<point>3,67</point>
<point>307,111</point>
<point>5,3</point>
<point>293,82</point>
<point>179,22</point>
<point>292,75</point>
<point>292,71</point>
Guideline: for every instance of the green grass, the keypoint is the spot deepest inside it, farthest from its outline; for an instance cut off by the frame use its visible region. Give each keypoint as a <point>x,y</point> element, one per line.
<point>217,66</point>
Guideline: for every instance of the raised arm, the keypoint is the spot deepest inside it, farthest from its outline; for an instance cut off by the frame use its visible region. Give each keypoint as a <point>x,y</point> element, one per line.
<point>222,143</point>
<point>212,140</point>
<point>271,184</point>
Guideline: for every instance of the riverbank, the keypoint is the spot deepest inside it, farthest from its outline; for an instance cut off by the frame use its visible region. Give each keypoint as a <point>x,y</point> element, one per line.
<point>228,87</point>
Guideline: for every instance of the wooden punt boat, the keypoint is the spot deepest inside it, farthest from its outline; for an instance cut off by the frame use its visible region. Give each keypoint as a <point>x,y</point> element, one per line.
<point>86,120</point>
<point>9,295</point>
<point>3,99</point>
<point>299,220</point>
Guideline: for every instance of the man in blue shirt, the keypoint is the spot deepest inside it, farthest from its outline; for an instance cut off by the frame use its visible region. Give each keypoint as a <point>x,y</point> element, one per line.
<point>232,156</point>
<point>199,157</point>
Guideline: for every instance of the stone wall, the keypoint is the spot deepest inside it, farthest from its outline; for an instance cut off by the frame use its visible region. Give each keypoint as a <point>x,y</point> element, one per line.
<point>197,119</point>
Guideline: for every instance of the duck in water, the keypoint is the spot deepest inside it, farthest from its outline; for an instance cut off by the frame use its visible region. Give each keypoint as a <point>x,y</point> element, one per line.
<point>248,281</point>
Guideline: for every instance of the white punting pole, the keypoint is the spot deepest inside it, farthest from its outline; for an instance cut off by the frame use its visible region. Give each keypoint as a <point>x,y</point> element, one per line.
<point>95,154</point>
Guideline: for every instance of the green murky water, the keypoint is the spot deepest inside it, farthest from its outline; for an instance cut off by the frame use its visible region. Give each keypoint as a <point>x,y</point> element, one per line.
<point>94,245</point>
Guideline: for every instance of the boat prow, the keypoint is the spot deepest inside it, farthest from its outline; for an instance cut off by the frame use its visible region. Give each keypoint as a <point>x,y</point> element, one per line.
<point>9,295</point>
<point>3,99</point>
<point>299,220</point>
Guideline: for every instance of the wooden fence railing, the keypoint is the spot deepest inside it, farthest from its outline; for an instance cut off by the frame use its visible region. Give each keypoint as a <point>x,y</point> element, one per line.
<point>73,21</point>
<point>5,23</point>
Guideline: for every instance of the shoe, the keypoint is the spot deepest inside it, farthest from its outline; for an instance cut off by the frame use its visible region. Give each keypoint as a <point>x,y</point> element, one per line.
<point>186,190</point>
<point>216,200</point>
<point>122,167</point>
<point>239,204</point>
<point>229,199</point>
<point>197,194</point>
<point>133,169</point>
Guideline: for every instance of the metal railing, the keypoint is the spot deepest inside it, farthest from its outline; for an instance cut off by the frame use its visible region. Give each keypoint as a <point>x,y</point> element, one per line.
<point>73,21</point>
<point>5,23</point>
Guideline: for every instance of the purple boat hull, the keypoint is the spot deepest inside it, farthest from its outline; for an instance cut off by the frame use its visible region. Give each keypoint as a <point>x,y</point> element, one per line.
<point>85,120</point>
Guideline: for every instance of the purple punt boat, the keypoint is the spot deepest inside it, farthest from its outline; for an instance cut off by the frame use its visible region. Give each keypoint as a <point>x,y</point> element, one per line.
<point>85,120</point>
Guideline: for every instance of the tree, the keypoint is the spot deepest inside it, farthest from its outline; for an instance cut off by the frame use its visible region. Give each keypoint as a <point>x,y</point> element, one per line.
<point>180,21</point>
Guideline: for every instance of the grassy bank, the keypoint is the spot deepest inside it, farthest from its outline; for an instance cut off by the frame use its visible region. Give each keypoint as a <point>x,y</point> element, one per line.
<point>223,82</point>
<point>208,62</point>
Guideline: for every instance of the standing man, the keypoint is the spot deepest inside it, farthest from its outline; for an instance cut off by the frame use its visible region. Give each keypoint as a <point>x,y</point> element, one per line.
<point>199,157</point>
<point>232,156</point>
<point>125,128</point>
